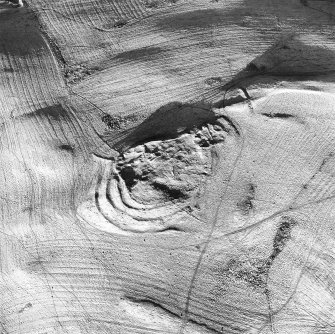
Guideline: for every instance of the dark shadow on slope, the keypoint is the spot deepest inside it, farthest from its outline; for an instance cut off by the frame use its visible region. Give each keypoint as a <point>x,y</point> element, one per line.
<point>20,32</point>
<point>139,54</point>
<point>294,55</point>
<point>167,122</point>
<point>196,19</point>
<point>56,113</point>
<point>291,58</point>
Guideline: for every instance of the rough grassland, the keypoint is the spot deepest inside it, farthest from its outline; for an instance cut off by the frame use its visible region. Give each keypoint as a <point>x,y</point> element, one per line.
<point>167,166</point>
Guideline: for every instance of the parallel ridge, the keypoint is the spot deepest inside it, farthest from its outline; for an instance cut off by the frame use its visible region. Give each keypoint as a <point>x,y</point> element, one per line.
<point>151,186</point>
